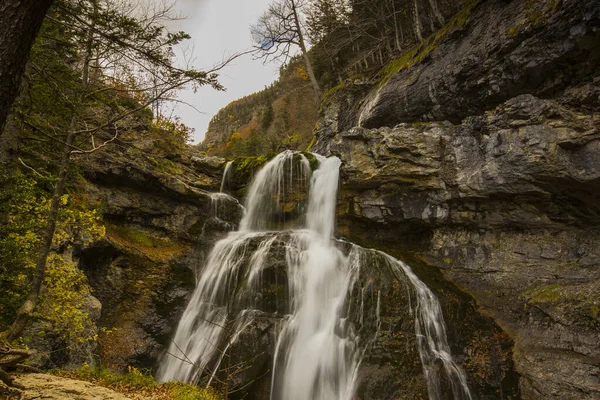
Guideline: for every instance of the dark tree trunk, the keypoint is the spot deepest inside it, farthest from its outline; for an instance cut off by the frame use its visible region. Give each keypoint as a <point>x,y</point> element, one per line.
<point>20,21</point>
<point>9,142</point>
<point>26,310</point>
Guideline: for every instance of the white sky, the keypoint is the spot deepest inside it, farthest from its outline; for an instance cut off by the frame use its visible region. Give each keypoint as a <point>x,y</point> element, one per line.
<point>219,28</point>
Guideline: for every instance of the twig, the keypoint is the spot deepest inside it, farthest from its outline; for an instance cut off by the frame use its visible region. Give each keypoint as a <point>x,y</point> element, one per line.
<point>250,383</point>
<point>30,168</point>
<point>94,147</point>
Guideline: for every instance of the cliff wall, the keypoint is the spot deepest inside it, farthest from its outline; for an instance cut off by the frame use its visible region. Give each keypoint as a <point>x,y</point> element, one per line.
<point>482,160</point>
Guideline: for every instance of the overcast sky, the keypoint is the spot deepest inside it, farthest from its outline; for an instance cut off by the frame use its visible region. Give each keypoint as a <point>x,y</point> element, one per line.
<point>220,28</point>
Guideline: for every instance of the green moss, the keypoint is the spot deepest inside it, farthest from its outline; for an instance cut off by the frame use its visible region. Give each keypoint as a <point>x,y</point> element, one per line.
<point>181,391</point>
<point>535,18</point>
<point>421,126</point>
<point>539,16</point>
<point>247,165</point>
<point>575,297</point>
<point>421,51</point>
<point>135,237</point>
<point>553,6</point>
<point>328,94</point>
<point>155,248</point>
<point>309,156</point>
<point>547,294</point>
<point>139,383</point>
<point>292,139</point>
<point>356,77</point>
<point>312,159</point>
<point>166,166</point>
<point>312,143</point>
<point>242,171</point>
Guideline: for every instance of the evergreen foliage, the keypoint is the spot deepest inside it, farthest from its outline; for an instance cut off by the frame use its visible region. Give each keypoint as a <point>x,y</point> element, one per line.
<point>263,123</point>
<point>360,36</point>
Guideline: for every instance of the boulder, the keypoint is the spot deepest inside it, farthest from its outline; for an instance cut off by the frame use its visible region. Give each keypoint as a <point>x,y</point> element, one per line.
<point>209,165</point>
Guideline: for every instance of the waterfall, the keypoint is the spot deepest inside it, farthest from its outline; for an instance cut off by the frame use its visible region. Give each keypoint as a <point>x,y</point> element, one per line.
<point>225,179</point>
<point>217,304</point>
<point>273,188</point>
<point>316,355</point>
<point>431,337</point>
<point>321,339</point>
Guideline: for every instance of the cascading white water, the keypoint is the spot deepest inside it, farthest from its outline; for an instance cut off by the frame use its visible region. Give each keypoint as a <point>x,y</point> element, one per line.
<point>431,338</point>
<point>225,179</point>
<point>214,307</point>
<point>316,355</point>
<point>318,349</point>
<point>271,188</point>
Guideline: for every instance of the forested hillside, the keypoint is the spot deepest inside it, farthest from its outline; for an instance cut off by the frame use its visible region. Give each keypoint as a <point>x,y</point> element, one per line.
<point>280,117</point>
<point>351,40</point>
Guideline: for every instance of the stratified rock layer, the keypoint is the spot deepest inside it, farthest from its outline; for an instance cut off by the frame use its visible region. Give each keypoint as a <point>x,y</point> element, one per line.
<point>160,225</point>
<point>504,199</point>
<point>507,49</point>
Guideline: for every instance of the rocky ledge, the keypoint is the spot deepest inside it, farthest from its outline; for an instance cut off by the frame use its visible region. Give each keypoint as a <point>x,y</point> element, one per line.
<point>50,387</point>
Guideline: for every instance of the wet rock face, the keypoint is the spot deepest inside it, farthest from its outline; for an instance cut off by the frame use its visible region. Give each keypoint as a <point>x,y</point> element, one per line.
<point>160,226</point>
<point>507,206</point>
<point>502,195</point>
<point>528,151</point>
<point>212,166</point>
<point>380,312</point>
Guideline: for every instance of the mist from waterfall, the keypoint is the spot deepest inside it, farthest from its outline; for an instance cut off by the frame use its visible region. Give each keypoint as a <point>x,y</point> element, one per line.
<point>319,349</point>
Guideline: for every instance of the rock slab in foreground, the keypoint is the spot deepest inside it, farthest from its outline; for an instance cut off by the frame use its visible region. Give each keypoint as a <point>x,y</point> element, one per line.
<point>50,387</point>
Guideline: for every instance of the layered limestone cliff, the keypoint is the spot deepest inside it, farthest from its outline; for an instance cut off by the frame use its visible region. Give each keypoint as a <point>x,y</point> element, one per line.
<point>483,162</point>
<point>161,219</point>
<point>160,224</point>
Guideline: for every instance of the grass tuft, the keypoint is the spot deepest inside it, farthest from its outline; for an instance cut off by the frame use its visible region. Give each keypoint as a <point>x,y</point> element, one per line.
<point>139,384</point>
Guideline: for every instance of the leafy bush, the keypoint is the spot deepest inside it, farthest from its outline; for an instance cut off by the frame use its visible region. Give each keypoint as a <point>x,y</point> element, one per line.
<point>24,204</point>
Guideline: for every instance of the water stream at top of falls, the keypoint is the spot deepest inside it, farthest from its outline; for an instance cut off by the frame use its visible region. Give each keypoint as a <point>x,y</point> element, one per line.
<point>320,344</point>
<point>225,179</point>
